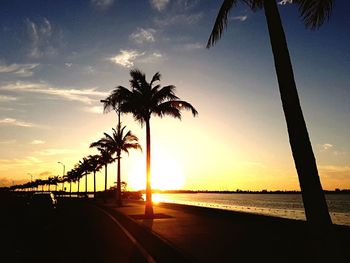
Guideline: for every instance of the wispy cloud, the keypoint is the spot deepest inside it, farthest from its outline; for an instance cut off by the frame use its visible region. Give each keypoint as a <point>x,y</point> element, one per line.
<point>45,174</point>
<point>152,57</point>
<point>36,142</point>
<point>94,109</point>
<point>8,142</point>
<point>126,58</point>
<point>73,94</point>
<point>43,39</point>
<point>4,98</point>
<point>240,18</point>
<point>51,152</point>
<point>193,46</point>
<point>21,70</point>
<point>185,19</point>
<point>29,160</point>
<point>326,146</point>
<point>284,2</point>
<point>102,4</point>
<point>142,35</point>
<point>334,171</point>
<point>159,5</point>
<point>14,122</point>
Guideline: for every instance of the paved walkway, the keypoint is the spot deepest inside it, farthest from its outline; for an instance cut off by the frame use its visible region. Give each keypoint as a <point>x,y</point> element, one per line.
<point>207,236</point>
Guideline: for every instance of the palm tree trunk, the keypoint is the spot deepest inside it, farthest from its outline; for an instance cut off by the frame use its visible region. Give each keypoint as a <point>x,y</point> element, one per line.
<point>78,186</point>
<point>86,185</point>
<point>119,195</point>
<point>315,205</point>
<point>105,177</point>
<point>94,183</point>
<point>70,188</point>
<point>148,207</point>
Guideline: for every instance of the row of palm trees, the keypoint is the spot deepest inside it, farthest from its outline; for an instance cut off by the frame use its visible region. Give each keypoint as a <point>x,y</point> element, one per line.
<point>142,100</point>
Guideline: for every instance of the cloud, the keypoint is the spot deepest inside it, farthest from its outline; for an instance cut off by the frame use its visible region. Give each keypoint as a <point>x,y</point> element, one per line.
<point>68,65</point>
<point>29,160</point>
<point>73,94</point>
<point>45,174</point>
<point>284,2</point>
<point>334,171</point>
<point>185,19</point>
<point>8,142</point>
<point>326,146</point>
<point>51,152</point>
<point>14,122</point>
<point>159,5</point>
<point>94,109</point>
<point>102,4</point>
<point>21,70</point>
<point>43,39</point>
<point>240,18</point>
<point>142,35</point>
<point>4,98</point>
<point>151,57</point>
<point>193,46</point>
<point>36,142</point>
<point>126,58</point>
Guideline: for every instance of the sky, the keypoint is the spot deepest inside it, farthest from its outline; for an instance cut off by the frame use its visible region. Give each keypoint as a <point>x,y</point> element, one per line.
<point>58,59</point>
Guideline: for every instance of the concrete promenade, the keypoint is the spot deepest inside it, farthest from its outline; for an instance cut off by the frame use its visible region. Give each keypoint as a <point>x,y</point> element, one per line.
<point>210,235</point>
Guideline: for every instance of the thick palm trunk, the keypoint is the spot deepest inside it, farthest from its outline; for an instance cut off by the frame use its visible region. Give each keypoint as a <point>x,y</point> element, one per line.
<point>315,205</point>
<point>105,177</point>
<point>148,207</point>
<point>119,195</point>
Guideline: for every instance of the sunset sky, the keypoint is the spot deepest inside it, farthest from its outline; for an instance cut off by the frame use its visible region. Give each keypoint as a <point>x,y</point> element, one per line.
<point>58,59</point>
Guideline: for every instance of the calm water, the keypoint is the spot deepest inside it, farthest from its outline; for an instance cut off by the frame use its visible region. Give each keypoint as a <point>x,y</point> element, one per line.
<point>281,205</point>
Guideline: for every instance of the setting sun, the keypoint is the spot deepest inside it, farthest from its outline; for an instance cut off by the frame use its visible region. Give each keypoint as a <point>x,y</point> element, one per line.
<point>166,174</point>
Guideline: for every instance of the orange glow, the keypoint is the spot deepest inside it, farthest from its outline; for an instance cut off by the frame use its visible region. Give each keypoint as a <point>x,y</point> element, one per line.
<point>166,174</point>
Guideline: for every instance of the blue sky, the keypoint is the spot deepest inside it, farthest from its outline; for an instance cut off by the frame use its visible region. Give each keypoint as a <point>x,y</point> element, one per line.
<point>59,58</point>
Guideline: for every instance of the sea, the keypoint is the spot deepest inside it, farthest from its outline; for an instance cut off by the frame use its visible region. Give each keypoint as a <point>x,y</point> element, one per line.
<point>279,205</point>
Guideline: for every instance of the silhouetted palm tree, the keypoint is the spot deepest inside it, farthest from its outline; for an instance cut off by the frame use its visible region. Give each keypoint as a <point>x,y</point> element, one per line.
<point>313,13</point>
<point>117,143</point>
<point>94,166</point>
<point>105,157</point>
<point>143,100</point>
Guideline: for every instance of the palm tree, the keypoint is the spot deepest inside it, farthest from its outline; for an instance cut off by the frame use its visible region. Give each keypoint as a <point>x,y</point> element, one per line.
<point>116,144</point>
<point>314,13</point>
<point>143,100</point>
<point>105,157</point>
<point>94,166</point>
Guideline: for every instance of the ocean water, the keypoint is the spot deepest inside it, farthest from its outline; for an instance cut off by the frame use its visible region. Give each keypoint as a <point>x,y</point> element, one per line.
<point>280,205</point>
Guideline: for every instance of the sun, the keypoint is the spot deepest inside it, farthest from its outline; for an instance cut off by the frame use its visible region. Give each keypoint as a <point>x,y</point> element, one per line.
<point>166,174</point>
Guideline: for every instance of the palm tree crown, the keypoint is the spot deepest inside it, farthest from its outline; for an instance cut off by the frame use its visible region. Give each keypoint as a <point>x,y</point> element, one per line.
<point>313,12</point>
<point>117,143</point>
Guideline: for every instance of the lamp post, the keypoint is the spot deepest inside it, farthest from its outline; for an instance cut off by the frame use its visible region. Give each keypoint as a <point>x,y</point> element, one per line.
<point>64,168</point>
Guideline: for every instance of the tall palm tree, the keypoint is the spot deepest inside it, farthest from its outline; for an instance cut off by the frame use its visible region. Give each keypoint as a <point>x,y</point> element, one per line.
<point>104,159</point>
<point>314,13</point>
<point>143,100</point>
<point>117,143</point>
<point>94,166</point>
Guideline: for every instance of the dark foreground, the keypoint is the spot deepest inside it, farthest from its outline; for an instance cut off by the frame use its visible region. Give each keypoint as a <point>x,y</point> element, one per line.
<point>88,231</point>
<point>75,232</point>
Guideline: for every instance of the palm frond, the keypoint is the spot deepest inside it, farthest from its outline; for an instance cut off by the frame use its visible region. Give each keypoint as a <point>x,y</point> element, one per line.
<point>156,77</point>
<point>220,22</point>
<point>314,12</point>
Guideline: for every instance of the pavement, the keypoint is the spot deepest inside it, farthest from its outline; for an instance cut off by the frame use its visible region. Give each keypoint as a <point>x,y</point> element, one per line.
<point>193,234</point>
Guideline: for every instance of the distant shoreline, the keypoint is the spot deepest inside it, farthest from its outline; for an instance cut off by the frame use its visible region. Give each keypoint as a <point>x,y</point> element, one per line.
<point>155,191</point>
